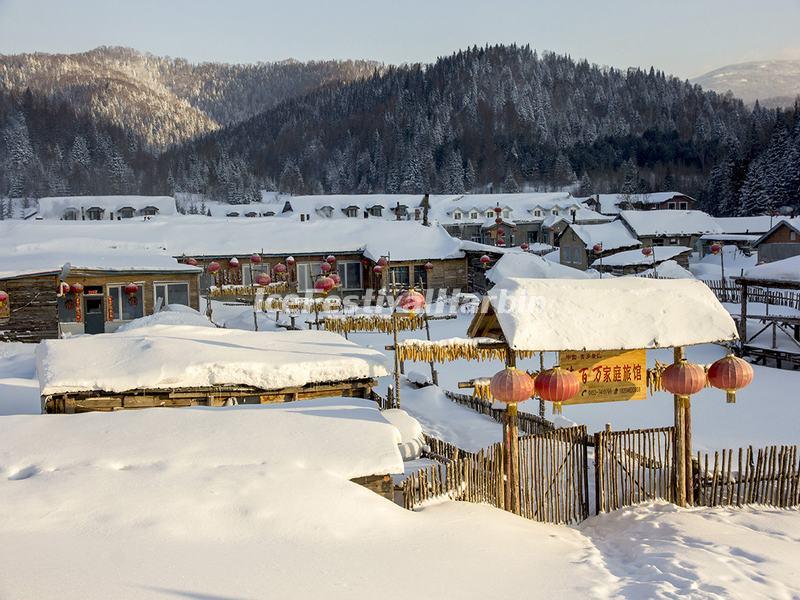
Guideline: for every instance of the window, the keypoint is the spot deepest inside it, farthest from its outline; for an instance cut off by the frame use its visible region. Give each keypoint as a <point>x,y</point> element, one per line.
<point>477,238</point>
<point>673,241</point>
<point>537,212</point>
<point>554,212</point>
<point>793,236</point>
<point>172,293</point>
<point>149,211</point>
<point>95,213</point>
<point>506,214</point>
<point>306,275</point>
<point>671,205</point>
<point>489,214</point>
<point>351,211</point>
<point>71,214</point>
<point>683,205</point>
<point>532,236</point>
<point>124,307</point>
<point>126,212</point>
<point>376,211</point>
<point>325,211</point>
<point>473,215</point>
<point>398,276</point>
<point>420,276</point>
<point>457,215</point>
<point>350,273</point>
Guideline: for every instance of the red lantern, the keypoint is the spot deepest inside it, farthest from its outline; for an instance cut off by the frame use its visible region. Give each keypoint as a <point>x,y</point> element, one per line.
<point>557,385</point>
<point>76,288</point>
<point>63,289</point>
<point>213,267</point>
<point>730,374</point>
<point>233,263</point>
<point>280,268</point>
<point>290,261</point>
<point>647,250</point>
<point>131,289</point>
<point>597,248</point>
<point>429,266</point>
<point>365,262</point>
<point>524,246</point>
<point>325,267</point>
<point>411,300</point>
<point>337,281</point>
<point>255,259</point>
<point>191,261</point>
<point>511,386</point>
<point>377,269</point>
<point>3,298</point>
<point>331,259</point>
<point>715,248</point>
<point>683,378</point>
<point>324,284</point>
<point>263,279</point>
<point>498,220</point>
<point>497,210</point>
<point>485,260</point>
<point>382,262</point>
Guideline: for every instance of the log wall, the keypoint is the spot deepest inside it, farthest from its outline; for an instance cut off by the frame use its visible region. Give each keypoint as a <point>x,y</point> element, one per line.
<point>33,309</point>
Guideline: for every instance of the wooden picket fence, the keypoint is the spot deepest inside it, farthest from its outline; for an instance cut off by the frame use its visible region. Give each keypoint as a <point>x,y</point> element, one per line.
<point>632,466</point>
<point>755,476</point>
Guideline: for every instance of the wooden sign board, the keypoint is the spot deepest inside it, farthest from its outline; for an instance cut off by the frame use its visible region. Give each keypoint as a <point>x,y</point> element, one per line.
<point>607,376</point>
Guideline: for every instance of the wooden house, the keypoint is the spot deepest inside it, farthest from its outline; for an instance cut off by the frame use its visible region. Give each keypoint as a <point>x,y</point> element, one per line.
<point>612,204</point>
<point>781,241</point>
<point>206,366</point>
<point>576,243</point>
<point>53,296</point>
<point>670,227</point>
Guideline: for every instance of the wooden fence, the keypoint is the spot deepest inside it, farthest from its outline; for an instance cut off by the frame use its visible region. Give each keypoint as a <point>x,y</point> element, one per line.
<point>528,424</point>
<point>633,466</point>
<point>731,292</point>
<point>755,476</point>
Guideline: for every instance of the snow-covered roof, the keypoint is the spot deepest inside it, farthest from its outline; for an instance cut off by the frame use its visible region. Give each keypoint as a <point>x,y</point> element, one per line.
<point>609,203</point>
<point>669,269</point>
<point>787,270</point>
<point>15,264</point>
<point>730,237</point>
<point>749,225</point>
<point>611,235</point>
<point>792,224</point>
<point>171,356</point>
<point>622,313</point>
<point>635,257</point>
<point>670,222</point>
<point>53,207</point>
<point>524,264</point>
<point>205,236</point>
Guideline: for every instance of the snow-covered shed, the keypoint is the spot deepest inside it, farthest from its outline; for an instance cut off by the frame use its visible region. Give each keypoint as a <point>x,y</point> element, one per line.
<point>633,261</point>
<point>52,293</point>
<point>105,208</point>
<point>576,242</point>
<point>161,365</point>
<point>624,313</point>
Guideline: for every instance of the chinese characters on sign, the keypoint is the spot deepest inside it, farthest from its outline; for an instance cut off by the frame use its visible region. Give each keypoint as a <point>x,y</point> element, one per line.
<point>608,376</point>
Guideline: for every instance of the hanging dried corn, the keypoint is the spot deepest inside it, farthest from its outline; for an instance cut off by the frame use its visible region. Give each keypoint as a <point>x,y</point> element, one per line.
<point>454,349</point>
<point>379,322</point>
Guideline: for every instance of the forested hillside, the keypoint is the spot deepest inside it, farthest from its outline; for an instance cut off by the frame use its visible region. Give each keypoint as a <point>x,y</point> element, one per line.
<point>497,118</point>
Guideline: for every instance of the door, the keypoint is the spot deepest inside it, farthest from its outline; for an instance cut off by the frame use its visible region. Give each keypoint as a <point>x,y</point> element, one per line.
<point>94,319</point>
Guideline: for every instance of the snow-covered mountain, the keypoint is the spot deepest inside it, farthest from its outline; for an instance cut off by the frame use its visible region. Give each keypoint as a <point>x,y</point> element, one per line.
<point>771,82</point>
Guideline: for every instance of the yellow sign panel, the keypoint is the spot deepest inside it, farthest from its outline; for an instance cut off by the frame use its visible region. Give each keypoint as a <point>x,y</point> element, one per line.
<point>607,376</point>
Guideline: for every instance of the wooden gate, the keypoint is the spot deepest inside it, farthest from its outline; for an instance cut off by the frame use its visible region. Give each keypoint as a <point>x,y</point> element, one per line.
<point>553,476</point>
<point>633,466</point>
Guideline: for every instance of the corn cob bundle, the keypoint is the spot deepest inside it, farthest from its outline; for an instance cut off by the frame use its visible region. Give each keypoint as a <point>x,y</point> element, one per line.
<point>481,389</point>
<point>453,349</point>
<point>378,322</point>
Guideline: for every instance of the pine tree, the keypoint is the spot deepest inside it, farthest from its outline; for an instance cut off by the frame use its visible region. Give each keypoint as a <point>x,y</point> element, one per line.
<point>585,188</point>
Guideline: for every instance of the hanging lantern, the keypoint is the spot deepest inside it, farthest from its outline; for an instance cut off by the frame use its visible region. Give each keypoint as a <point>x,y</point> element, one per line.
<point>497,210</point>
<point>683,378</point>
<point>290,261</point>
<point>131,290</point>
<point>324,284</point>
<point>429,266</point>
<point>76,288</point>
<point>63,289</point>
<point>233,263</point>
<point>213,267</point>
<point>191,261</point>
<point>382,262</point>
<point>3,298</point>
<point>337,281</point>
<point>330,259</point>
<point>255,259</point>
<point>511,386</point>
<point>498,220</point>
<point>325,267</point>
<point>411,300</point>
<point>485,260</point>
<point>647,250</point>
<point>557,385</point>
<point>730,374</point>
<point>263,279</point>
<point>280,268</point>
<point>377,269</point>
<point>597,248</point>
<point>524,246</point>
<point>715,248</point>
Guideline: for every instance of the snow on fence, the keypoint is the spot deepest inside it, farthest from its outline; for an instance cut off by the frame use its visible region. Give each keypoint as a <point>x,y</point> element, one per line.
<point>443,451</point>
<point>731,292</point>
<point>528,423</point>
<point>768,475</point>
<point>632,466</point>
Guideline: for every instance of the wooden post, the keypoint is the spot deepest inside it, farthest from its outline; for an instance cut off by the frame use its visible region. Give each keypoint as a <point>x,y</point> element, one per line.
<point>679,462</point>
<point>743,317</point>
<point>394,337</point>
<point>434,374</point>
<point>511,448</point>
<point>687,436</point>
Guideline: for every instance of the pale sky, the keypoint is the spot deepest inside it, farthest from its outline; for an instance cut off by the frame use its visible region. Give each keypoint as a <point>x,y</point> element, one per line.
<point>683,37</point>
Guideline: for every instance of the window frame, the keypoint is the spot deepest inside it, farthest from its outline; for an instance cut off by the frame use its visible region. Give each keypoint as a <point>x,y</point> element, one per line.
<point>341,269</point>
<point>120,287</point>
<point>166,292</point>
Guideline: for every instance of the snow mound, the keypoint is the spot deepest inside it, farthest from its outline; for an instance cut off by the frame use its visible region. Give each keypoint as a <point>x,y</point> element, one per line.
<point>173,314</point>
<point>412,441</point>
<point>530,265</point>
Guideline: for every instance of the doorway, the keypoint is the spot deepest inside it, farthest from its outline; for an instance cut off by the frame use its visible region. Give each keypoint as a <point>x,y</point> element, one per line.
<point>94,320</point>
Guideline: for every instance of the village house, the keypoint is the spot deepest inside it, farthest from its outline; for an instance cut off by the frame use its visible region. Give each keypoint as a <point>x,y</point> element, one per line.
<point>612,204</point>
<point>104,208</point>
<point>670,227</point>
<point>781,241</point>
<point>71,293</point>
<point>577,243</point>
